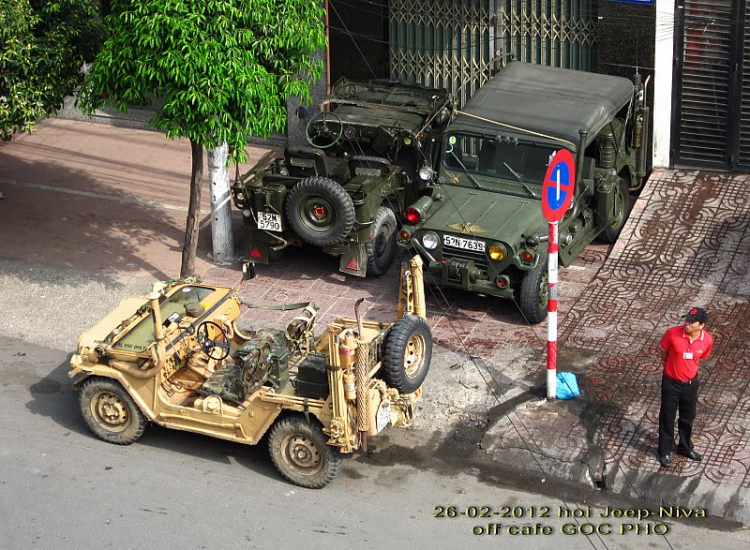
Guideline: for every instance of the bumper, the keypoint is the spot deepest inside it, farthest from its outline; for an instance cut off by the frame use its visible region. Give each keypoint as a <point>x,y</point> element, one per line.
<point>78,370</point>
<point>466,276</point>
<point>77,367</point>
<point>463,274</point>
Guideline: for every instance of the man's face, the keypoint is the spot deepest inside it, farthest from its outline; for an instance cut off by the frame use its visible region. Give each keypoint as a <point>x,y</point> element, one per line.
<point>694,327</point>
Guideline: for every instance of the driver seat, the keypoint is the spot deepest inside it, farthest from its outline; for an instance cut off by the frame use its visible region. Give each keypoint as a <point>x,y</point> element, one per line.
<point>264,358</point>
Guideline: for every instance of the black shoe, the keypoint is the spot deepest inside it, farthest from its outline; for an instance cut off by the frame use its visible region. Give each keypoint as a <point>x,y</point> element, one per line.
<point>666,461</point>
<point>691,455</point>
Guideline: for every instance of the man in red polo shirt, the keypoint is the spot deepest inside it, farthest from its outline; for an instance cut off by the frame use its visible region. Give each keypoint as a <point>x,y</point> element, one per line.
<point>681,349</point>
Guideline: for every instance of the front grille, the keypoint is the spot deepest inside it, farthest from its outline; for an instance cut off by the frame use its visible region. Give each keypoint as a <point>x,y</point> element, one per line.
<point>479,258</point>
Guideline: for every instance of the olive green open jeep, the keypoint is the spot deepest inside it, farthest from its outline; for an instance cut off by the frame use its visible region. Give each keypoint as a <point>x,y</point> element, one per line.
<point>482,229</point>
<point>178,359</point>
<point>370,155</point>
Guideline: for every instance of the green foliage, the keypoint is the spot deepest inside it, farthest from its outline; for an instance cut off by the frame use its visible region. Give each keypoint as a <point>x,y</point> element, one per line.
<point>20,98</point>
<point>223,68</point>
<point>43,45</point>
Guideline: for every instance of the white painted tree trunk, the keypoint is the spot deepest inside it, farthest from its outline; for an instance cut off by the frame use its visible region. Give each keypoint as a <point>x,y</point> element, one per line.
<point>221,206</point>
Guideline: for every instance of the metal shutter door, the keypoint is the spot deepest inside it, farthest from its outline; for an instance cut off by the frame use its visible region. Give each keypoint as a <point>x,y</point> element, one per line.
<point>705,83</point>
<point>744,122</point>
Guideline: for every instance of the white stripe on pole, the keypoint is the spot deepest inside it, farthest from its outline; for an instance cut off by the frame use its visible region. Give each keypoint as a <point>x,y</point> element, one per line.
<point>552,313</point>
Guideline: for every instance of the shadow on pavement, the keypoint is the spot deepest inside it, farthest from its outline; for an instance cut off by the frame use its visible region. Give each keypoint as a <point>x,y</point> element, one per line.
<point>104,199</point>
<point>99,228</point>
<point>55,398</point>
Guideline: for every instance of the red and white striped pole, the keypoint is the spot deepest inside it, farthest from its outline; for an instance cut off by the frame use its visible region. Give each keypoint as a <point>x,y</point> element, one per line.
<point>557,195</point>
<point>552,313</point>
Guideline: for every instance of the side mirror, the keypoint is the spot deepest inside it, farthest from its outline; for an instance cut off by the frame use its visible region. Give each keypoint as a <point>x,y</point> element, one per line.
<point>248,271</point>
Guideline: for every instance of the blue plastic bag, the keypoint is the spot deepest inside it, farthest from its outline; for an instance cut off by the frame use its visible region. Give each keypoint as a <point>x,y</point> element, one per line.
<point>567,385</point>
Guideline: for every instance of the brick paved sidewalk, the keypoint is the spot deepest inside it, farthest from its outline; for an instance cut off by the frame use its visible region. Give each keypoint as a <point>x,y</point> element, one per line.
<point>687,243</point>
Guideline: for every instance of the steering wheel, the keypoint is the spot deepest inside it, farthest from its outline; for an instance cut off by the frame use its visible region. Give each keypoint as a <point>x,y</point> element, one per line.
<point>319,127</point>
<point>209,345</point>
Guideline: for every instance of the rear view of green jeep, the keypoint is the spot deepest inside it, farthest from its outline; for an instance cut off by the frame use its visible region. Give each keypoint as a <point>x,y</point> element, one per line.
<point>482,230</point>
<point>370,153</point>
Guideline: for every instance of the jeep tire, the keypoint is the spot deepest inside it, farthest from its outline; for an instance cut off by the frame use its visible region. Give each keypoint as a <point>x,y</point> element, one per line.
<point>320,211</point>
<point>300,452</point>
<point>382,247</point>
<point>616,219</point>
<point>408,352</point>
<point>110,412</point>
<point>534,293</point>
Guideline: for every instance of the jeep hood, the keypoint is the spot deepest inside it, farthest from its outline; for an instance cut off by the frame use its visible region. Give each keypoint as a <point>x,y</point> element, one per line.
<point>486,215</point>
<point>96,334</point>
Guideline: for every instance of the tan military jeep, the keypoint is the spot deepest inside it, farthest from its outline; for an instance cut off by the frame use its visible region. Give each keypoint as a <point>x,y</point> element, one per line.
<point>178,359</point>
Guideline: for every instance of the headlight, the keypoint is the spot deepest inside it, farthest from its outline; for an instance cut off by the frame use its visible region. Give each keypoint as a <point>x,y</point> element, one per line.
<point>430,241</point>
<point>497,252</point>
<point>426,173</point>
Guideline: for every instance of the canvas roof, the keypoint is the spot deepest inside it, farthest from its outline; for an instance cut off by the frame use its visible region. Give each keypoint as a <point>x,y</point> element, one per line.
<point>545,100</point>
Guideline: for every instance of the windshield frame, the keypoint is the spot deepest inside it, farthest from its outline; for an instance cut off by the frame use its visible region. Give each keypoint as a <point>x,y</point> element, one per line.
<point>139,334</point>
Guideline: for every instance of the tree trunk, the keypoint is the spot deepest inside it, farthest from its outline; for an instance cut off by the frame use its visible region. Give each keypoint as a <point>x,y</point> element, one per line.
<point>190,248</point>
<point>221,206</point>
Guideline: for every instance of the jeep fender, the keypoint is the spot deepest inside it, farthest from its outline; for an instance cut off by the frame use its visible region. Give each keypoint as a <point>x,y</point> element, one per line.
<point>105,371</point>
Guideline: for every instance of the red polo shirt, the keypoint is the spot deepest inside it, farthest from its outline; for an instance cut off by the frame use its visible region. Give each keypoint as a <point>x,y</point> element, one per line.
<point>683,355</point>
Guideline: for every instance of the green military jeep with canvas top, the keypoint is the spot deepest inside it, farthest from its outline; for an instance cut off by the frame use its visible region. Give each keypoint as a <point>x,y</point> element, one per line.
<point>482,229</point>
<point>369,156</point>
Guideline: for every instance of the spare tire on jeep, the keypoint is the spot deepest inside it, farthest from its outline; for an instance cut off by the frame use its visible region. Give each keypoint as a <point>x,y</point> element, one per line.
<point>382,247</point>
<point>408,352</point>
<point>320,211</point>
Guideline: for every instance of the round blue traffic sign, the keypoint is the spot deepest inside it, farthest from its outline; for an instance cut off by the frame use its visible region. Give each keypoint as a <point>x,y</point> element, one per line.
<point>559,185</point>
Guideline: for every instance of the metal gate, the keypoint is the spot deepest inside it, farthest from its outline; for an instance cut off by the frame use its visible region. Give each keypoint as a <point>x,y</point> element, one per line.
<point>460,44</point>
<point>559,33</point>
<point>712,121</point>
<point>442,44</point>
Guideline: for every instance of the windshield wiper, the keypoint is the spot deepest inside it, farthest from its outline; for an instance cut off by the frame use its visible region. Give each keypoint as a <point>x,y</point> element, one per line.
<point>519,177</point>
<point>473,180</point>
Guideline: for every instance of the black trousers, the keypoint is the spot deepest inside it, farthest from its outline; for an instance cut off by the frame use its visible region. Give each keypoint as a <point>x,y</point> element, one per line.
<point>677,397</point>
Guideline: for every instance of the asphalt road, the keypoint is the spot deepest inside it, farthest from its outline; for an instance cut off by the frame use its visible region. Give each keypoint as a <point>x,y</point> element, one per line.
<point>60,487</point>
